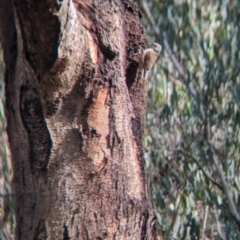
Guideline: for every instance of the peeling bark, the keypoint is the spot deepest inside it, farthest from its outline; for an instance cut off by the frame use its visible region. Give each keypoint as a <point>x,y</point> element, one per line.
<point>75,106</point>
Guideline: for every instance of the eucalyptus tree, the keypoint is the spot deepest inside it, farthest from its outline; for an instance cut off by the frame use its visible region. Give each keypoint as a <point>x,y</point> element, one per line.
<point>75,107</point>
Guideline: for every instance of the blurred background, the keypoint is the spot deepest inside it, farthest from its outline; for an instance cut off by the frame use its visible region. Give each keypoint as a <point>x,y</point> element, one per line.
<point>6,197</point>
<point>192,136</point>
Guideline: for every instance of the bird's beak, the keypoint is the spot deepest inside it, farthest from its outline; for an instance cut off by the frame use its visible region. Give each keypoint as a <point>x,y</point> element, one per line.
<point>154,43</point>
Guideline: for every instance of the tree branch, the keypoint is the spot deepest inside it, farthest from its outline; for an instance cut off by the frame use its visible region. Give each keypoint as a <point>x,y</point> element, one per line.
<point>231,204</point>
<point>200,167</point>
<point>166,44</point>
<point>173,58</point>
<point>205,217</point>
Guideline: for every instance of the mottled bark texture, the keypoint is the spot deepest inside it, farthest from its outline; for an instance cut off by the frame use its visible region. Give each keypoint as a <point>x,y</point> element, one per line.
<point>75,105</point>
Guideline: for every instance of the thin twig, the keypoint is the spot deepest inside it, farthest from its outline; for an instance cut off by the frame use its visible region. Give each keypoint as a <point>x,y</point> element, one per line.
<point>200,167</point>
<point>204,222</point>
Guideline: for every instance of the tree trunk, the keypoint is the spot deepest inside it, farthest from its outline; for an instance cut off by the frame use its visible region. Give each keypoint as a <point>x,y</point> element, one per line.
<point>75,104</point>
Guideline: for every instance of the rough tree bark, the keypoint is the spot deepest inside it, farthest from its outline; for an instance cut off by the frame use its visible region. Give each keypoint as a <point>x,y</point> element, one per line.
<point>75,105</point>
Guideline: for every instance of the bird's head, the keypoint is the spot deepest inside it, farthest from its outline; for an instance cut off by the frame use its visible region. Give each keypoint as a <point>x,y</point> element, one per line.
<point>157,47</point>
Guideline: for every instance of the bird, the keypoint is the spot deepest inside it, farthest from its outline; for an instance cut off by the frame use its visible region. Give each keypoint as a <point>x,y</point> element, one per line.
<point>149,57</point>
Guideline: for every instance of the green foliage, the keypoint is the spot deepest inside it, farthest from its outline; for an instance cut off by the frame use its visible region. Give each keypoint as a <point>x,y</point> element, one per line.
<point>193,118</point>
